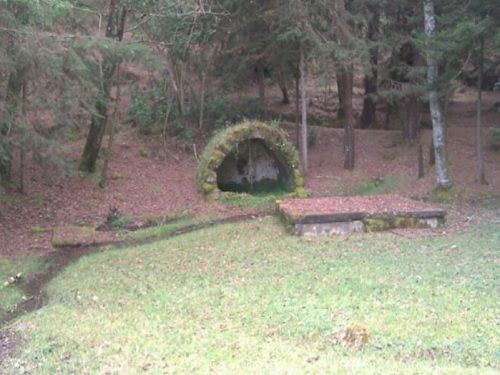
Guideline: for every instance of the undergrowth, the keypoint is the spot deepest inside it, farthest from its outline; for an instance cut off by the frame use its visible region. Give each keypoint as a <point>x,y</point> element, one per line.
<point>382,185</point>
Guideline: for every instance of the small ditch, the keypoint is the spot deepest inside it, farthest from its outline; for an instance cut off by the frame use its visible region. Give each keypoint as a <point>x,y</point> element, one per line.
<point>56,262</point>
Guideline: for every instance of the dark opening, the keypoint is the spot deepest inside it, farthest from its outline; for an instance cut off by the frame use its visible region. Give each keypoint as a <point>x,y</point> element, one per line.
<point>254,168</point>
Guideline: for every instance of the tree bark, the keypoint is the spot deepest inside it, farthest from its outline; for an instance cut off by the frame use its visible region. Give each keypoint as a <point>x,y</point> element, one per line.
<point>303,103</point>
<point>479,131</point>
<point>261,82</point>
<point>297,110</point>
<point>13,99</point>
<point>104,176</point>
<point>345,73</point>
<point>114,30</point>
<point>432,155</point>
<point>412,126</point>
<point>420,160</point>
<point>284,92</point>
<point>438,127</point>
<point>202,99</point>
<point>368,114</point>
<point>340,93</point>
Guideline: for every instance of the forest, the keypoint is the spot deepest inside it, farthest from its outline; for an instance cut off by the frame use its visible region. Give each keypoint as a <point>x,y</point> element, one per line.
<point>146,148</point>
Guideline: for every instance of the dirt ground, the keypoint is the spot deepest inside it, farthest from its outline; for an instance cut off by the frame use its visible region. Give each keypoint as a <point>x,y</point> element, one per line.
<point>144,184</point>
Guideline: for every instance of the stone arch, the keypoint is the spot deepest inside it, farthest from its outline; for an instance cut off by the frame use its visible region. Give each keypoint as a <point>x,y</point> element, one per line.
<point>248,156</point>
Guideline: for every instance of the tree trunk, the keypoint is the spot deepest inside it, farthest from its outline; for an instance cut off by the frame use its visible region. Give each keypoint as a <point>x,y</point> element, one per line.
<point>412,123</point>
<point>261,82</point>
<point>202,99</point>
<point>181,96</point>
<point>104,176</point>
<point>22,146</point>
<point>432,154</point>
<point>420,160</point>
<point>303,103</point>
<point>284,92</point>
<point>114,30</point>
<point>479,133</point>
<point>368,114</point>
<point>340,93</point>
<point>438,127</point>
<point>7,121</point>
<point>345,73</point>
<point>297,110</point>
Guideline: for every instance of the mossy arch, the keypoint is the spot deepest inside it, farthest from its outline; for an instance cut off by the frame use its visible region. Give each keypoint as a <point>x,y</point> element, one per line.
<point>224,152</point>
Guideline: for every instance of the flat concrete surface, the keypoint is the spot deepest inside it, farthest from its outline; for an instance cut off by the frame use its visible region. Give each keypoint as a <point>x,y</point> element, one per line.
<point>340,215</point>
<point>355,208</point>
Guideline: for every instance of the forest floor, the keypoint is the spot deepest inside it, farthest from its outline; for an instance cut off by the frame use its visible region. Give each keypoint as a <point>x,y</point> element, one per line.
<point>147,182</point>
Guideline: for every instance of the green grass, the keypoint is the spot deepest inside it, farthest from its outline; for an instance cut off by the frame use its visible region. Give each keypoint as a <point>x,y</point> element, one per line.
<point>247,298</point>
<point>386,185</point>
<point>159,231</point>
<point>12,294</point>
<point>260,200</point>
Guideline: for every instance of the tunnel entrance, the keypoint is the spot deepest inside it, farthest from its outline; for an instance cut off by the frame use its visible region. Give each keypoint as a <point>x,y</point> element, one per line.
<point>254,168</point>
<point>251,157</point>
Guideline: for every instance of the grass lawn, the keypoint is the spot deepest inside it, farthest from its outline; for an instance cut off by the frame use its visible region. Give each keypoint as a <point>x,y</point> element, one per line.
<point>249,298</point>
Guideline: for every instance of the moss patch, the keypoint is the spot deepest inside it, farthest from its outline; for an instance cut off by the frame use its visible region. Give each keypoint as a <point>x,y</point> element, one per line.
<point>73,235</point>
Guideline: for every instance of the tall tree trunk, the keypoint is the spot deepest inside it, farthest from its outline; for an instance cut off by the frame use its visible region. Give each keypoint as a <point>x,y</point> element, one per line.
<point>345,73</point>
<point>438,127</point>
<point>284,92</point>
<point>412,123</point>
<point>105,168</point>
<point>283,85</point>
<point>297,109</point>
<point>22,146</point>
<point>181,93</point>
<point>114,30</point>
<point>202,99</point>
<point>303,103</point>
<point>340,93</point>
<point>420,159</point>
<point>368,114</point>
<point>479,131</point>
<point>8,118</point>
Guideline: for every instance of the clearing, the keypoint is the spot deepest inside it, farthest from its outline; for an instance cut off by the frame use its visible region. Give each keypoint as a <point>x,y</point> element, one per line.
<point>249,298</point>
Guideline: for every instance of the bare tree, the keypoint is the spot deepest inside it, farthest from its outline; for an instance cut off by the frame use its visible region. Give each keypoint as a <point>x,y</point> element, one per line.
<point>303,103</point>
<point>479,133</point>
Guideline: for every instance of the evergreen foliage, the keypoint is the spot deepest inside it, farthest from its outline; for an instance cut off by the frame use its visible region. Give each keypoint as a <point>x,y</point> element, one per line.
<point>58,60</point>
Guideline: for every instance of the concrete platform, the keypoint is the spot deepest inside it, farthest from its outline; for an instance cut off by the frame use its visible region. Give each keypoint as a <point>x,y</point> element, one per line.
<point>344,215</point>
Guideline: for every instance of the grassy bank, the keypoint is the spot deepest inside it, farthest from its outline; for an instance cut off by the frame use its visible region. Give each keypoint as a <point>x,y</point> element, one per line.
<point>249,298</point>
<point>15,273</point>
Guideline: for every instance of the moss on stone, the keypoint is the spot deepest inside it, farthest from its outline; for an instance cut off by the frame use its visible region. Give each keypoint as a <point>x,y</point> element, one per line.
<point>378,224</point>
<point>208,188</point>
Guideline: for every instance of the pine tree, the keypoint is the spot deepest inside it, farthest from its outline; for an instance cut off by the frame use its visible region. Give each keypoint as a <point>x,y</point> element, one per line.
<point>115,29</point>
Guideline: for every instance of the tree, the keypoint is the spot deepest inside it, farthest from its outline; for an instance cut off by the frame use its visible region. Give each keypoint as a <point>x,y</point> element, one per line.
<point>115,29</point>
<point>303,104</point>
<point>487,21</point>
<point>479,126</point>
<point>438,126</point>
<point>368,113</point>
<point>28,58</point>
